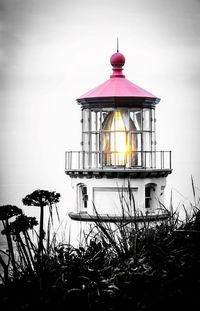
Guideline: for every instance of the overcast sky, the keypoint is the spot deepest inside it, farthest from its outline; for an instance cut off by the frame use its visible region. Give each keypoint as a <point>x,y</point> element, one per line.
<point>53,51</point>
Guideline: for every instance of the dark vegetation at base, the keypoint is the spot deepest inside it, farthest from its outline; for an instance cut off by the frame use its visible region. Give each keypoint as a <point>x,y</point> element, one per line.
<point>164,273</point>
<point>146,268</point>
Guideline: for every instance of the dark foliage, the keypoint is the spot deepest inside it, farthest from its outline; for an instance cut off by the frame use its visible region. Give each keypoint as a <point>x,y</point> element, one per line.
<point>8,211</point>
<point>41,198</point>
<point>164,274</point>
<point>21,224</point>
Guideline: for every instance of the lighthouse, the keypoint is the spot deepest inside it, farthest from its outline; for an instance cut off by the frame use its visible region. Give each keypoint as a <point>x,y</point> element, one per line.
<point>118,175</point>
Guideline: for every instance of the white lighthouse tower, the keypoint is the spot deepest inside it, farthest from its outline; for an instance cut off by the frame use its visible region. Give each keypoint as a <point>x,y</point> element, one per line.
<point>118,160</point>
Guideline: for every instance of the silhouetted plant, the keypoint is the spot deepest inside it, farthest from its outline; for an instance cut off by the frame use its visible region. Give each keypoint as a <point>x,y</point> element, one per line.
<point>25,247</point>
<point>7,212</point>
<point>41,198</point>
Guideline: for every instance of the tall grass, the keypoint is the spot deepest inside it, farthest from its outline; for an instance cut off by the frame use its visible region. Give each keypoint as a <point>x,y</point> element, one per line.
<point>141,266</point>
<point>25,254</point>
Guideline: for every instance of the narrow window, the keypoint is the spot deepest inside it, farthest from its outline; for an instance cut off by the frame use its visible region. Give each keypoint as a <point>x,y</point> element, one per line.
<point>147,197</point>
<point>82,196</point>
<point>150,195</point>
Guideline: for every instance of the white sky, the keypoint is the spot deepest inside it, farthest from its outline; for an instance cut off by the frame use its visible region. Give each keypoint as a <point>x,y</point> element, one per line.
<point>54,51</point>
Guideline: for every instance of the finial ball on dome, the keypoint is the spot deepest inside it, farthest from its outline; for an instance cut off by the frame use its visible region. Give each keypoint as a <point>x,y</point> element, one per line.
<point>117,60</point>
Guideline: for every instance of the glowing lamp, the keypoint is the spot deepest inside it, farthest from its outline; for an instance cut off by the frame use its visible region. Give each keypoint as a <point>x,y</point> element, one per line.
<point>118,147</point>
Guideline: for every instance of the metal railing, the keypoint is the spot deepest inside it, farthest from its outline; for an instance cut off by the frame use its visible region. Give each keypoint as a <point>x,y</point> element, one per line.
<point>80,160</point>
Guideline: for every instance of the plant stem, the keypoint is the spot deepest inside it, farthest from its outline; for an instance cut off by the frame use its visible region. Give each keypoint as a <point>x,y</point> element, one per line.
<point>41,235</point>
<point>11,250</point>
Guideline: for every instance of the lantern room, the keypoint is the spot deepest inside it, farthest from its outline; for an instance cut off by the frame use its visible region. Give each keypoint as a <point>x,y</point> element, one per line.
<point>118,153</point>
<point>118,136</point>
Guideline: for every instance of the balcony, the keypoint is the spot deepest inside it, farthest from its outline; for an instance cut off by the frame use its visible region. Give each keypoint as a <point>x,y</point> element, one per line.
<point>153,162</point>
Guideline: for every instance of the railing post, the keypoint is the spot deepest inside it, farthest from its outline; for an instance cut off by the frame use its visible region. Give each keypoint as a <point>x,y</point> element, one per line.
<point>96,159</point>
<point>83,159</point>
<point>66,161</point>
<point>170,160</point>
<point>163,159</point>
<point>102,155</point>
<point>69,154</point>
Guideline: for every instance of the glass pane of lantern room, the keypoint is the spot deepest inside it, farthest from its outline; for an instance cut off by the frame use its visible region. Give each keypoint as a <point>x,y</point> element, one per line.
<point>147,145</point>
<point>104,114</point>
<point>153,137</point>
<point>135,155</point>
<point>136,119</point>
<point>86,142</point>
<point>153,120</point>
<point>94,142</point>
<point>86,120</point>
<point>147,141</point>
<point>107,148</point>
<point>153,149</point>
<point>94,149</point>
<point>146,119</point>
<point>94,121</point>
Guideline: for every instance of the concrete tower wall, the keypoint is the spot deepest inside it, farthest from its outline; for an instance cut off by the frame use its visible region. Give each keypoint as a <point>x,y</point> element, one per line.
<point>111,196</point>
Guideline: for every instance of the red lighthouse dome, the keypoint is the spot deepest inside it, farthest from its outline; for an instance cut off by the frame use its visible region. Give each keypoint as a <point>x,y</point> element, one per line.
<point>118,86</point>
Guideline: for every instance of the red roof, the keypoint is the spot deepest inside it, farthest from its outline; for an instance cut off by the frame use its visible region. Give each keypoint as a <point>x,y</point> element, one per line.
<point>117,85</point>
